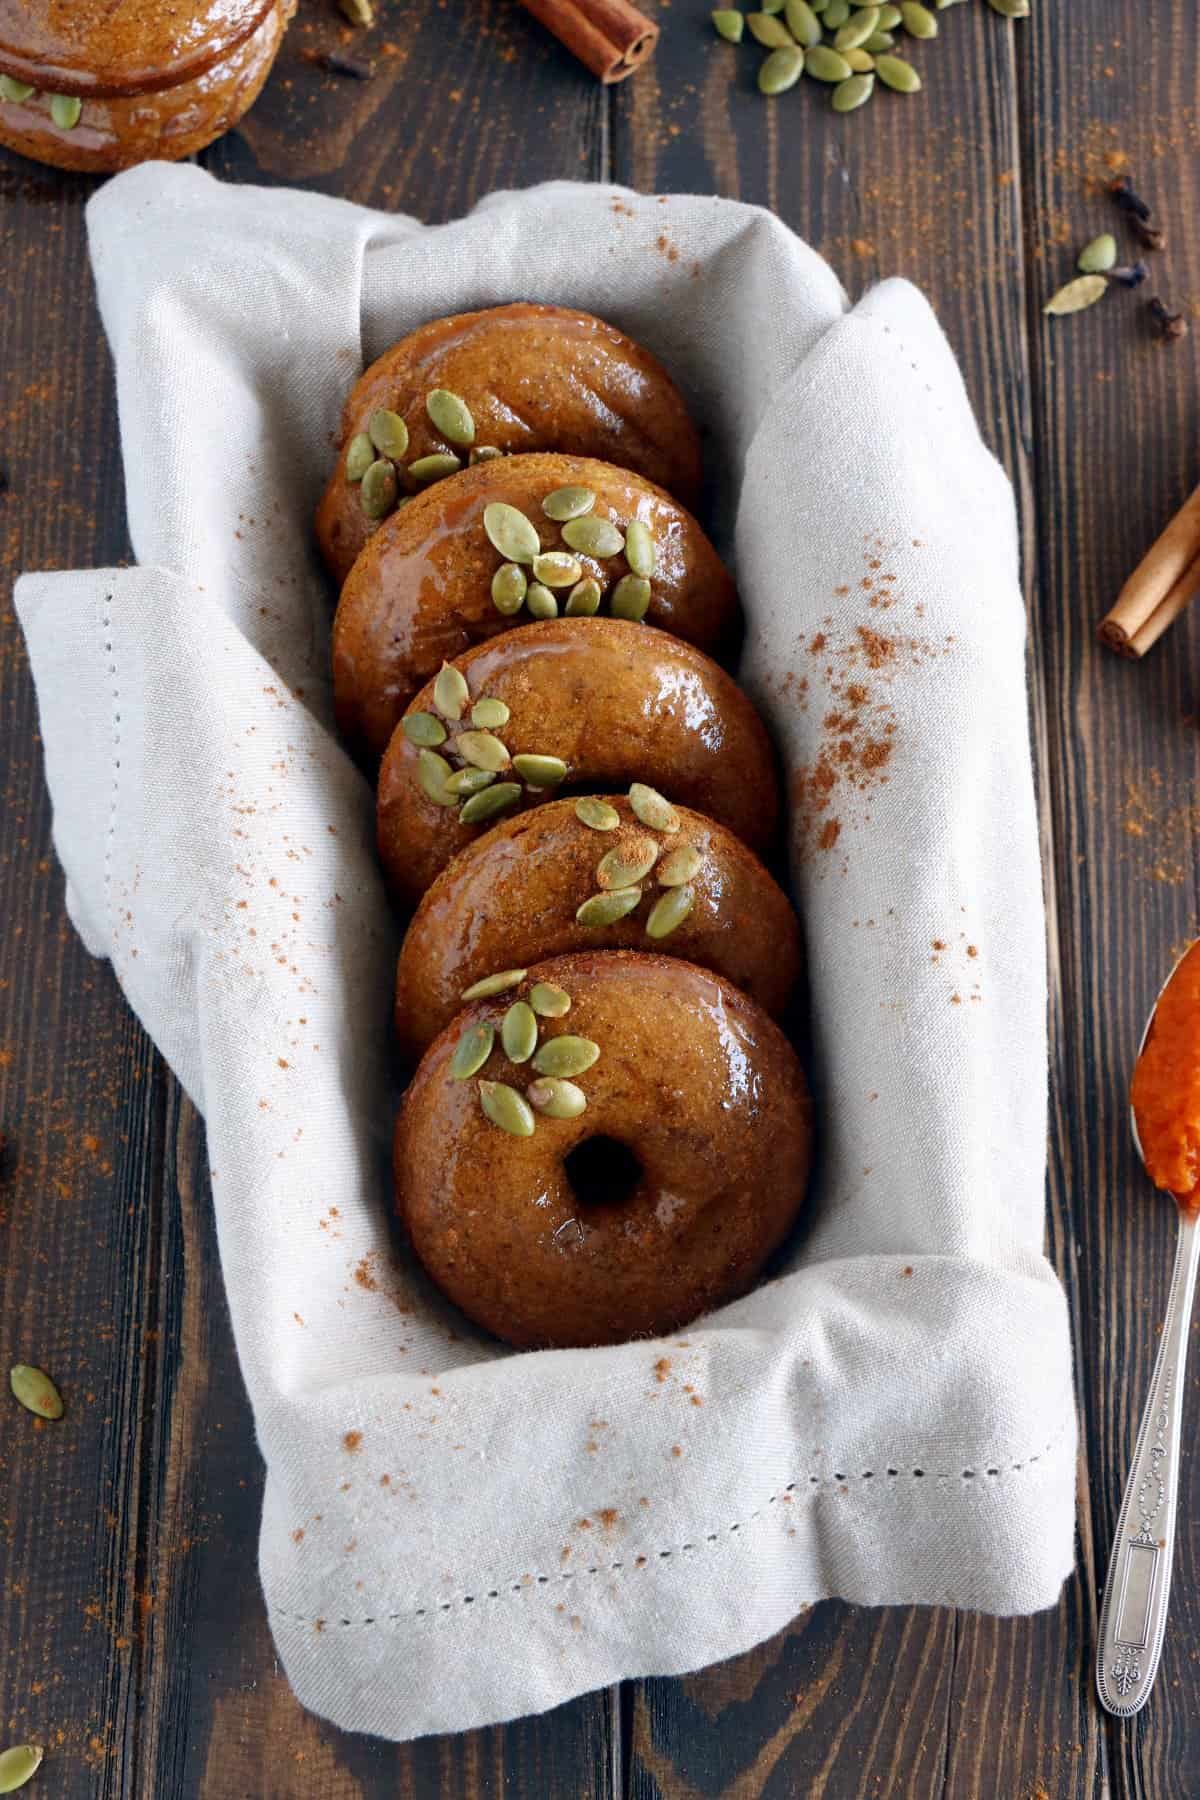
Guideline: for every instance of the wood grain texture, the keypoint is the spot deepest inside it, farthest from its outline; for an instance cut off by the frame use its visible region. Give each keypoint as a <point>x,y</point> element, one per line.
<point>132,1639</point>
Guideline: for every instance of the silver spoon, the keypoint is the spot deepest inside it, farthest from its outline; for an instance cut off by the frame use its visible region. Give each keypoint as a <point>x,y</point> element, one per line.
<point>1133,1618</point>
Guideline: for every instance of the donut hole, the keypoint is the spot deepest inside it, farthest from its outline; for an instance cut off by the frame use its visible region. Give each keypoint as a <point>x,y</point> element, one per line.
<point>602,1171</point>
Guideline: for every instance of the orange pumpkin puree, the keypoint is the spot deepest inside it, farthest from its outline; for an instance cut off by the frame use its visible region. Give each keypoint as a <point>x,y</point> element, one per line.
<point>1166,1086</point>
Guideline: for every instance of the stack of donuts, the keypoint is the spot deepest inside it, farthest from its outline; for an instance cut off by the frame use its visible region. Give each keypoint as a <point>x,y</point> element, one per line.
<point>606,1132</point>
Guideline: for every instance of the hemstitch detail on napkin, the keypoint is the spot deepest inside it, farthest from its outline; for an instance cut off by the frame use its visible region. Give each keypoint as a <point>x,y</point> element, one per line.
<point>992,1471</point>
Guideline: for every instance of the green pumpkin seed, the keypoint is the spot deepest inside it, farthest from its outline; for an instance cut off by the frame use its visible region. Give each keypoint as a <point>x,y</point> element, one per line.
<point>377,495</point>
<point>36,1392</point>
<point>639,546</point>
<point>630,598</point>
<point>556,1099</point>
<point>680,866</point>
<point>540,771</point>
<point>836,14</point>
<point>423,729</point>
<point>434,468</point>
<point>450,692</point>
<point>729,25</point>
<point>593,537</point>
<point>510,532</point>
<point>565,1056</point>
<point>433,772</point>
<point>597,815</point>
<point>572,502</point>
<point>882,40</point>
<point>668,913</point>
<point>488,802</point>
<point>852,93</point>
<point>626,864</point>
<point>506,1108</point>
<point>825,64</point>
<point>548,1001</point>
<point>583,599</point>
<point>22,1761</point>
<point>1098,255</point>
<point>897,74</point>
<point>605,909</point>
<point>652,809</point>
<point>466,782</point>
<point>482,750</point>
<point>389,434</point>
<point>540,602</point>
<point>555,569</point>
<point>472,1050</point>
<point>489,985</point>
<point>802,22</point>
<point>360,454</point>
<point>1010,9</point>
<point>781,70</point>
<point>484,453</point>
<point>65,110</point>
<point>771,6</point>
<point>857,29</point>
<point>772,33</point>
<point>1085,290</point>
<point>861,61</point>
<point>519,1032</point>
<point>917,20</point>
<point>509,587</point>
<point>14,90</point>
<point>889,17</point>
<point>489,715</point>
<point>450,416</point>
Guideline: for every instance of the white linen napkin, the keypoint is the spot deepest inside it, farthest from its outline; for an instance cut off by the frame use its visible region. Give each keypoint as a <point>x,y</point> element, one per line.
<point>453,1533</point>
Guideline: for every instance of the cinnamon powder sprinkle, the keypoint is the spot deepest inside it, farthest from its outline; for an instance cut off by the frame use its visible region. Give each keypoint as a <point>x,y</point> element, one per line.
<point>352,1441</point>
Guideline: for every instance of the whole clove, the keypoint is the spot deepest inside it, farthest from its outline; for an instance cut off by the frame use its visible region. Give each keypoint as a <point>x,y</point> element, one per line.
<point>1129,275</point>
<point>1171,326</point>
<point>1122,191</point>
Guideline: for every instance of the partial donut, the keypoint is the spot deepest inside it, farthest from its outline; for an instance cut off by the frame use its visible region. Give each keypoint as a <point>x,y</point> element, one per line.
<point>431,581</point>
<point>620,1200</point>
<point>531,378</point>
<point>582,704</point>
<point>513,897</point>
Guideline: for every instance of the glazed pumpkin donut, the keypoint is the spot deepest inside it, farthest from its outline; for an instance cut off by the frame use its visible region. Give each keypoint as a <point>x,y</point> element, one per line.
<point>433,581</point>
<point>592,704</point>
<point>97,85</point>
<point>530,378</point>
<point>646,1183</point>
<point>513,897</point>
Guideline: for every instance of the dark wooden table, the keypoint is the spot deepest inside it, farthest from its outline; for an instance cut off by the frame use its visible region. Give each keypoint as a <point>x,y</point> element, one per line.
<point>132,1633</point>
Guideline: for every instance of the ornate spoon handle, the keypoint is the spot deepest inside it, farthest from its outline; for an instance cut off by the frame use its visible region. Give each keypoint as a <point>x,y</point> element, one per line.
<point>1133,1617</point>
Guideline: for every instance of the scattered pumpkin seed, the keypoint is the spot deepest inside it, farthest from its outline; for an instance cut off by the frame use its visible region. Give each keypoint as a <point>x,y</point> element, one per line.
<point>605,909</point>
<point>65,110</point>
<point>729,25</point>
<point>639,548</point>
<point>802,22</point>
<point>450,692</point>
<point>433,772</point>
<point>472,1050</point>
<point>389,434</point>
<point>16,91</point>
<point>565,1056</point>
<point>680,866</point>
<point>669,911</point>
<point>592,536</point>
<point>22,1761</point>
<point>489,985</point>
<point>853,92</point>
<point>556,1099</point>
<point>555,569</point>
<point>630,598</point>
<point>359,12</point>
<point>1010,9</point>
<point>771,6</point>
<point>652,808</point>
<point>897,74</point>
<point>917,20</point>
<point>825,64</point>
<point>889,17</point>
<point>597,815</point>
<point>377,495</point>
<point>451,416</point>
<point>882,40</point>
<point>489,714</point>
<point>836,14</point>
<point>1098,255</point>
<point>482,750</point>
<point>858,28</point>
<point>519,1032</point>
<point>506,1108</point>
<point>484,453</point>
<point>540,771</point>
<point>781,70</point>
<point>36,1392</point>
<point>769,31</point>
<point>572,502</point>
<point>423,729</point>
<point>509,586</point>
<point>1084,291</point>
<point>489,801</point>
<point>466,782</point>
<point>548,1001</point>
<point>540,602</point>
<point>861,61</point>
<point>360,454</point>
<point>510,532</point>
<point>626,864</point>
<point>583,599</point>
<point>434,468</point>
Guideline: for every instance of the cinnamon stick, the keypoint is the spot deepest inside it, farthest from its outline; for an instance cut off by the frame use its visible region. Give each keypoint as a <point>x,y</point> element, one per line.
<point>1160,588</point>
<point>610,37</point>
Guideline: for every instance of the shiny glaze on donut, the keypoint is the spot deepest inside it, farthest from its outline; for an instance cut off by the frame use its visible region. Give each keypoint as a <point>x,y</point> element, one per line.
<point>618,703</point>
<point>420,593</point>
<point>693,1078</point>
<point>510,898</point>
<point>535,378</point>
